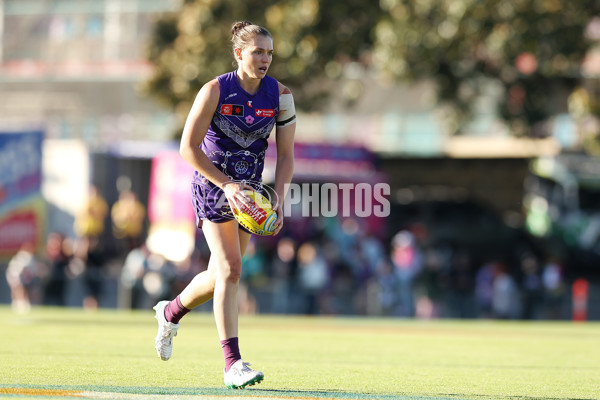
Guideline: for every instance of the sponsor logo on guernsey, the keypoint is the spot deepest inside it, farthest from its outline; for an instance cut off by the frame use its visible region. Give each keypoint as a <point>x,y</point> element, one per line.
<point>249,103</point>
<point>264,112</point>
<point>232,109</point>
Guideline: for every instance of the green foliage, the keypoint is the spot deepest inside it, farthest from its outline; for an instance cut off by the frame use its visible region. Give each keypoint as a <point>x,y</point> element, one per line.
<point>531,49</point>
<point>312,40</point>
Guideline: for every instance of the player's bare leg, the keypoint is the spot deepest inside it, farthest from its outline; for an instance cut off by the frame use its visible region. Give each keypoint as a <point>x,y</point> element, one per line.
<point>226,242</point>
<point>168,313</point>
<point>202,286</point>
<point>220,281</point>
<point>226,259</point>
<point>200,289</point>
<point>197,292</point>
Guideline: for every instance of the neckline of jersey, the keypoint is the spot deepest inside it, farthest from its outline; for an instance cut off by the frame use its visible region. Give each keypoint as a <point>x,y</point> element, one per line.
<point>237,82</point>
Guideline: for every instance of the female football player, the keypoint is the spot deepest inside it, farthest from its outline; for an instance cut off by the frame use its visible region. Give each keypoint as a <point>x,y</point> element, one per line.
<point>225,139</point>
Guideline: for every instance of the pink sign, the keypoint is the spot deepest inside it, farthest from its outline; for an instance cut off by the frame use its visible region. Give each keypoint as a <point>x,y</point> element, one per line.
<point>170,189</point>
<point>17,228</point>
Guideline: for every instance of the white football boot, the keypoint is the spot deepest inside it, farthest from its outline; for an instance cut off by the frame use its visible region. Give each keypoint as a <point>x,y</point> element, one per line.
<point>241,375</point>
<point>166,332</point>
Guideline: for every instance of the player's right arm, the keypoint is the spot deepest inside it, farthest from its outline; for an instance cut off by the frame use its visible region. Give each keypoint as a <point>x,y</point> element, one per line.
<point>194,131</point>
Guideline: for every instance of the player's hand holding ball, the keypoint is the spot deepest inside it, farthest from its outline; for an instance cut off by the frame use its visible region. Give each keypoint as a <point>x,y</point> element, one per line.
<point>236,193</point>
<point>279,213</point>
<point>252,210</point>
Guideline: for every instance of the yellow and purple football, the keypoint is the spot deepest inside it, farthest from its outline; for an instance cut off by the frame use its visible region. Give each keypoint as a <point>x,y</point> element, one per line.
<point>257,217</point>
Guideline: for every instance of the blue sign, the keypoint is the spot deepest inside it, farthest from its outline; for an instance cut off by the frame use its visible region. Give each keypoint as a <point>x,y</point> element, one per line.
<point>20,167</point>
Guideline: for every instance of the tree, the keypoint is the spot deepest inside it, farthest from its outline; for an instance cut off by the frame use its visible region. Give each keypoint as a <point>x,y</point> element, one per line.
<point>532,49</point>
<point>312,41</point>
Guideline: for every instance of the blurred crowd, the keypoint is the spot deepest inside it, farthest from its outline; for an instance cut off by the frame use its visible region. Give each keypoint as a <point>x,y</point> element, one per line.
<point>338,268</point>
<point>315,266</point>
<point>47,276</point>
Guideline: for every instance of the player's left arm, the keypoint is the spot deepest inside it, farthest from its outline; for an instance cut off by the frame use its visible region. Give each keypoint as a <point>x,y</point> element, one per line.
<point>284,139</point>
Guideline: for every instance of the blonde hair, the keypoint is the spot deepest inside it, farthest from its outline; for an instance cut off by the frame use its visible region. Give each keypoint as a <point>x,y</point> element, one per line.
<point>244,31</point>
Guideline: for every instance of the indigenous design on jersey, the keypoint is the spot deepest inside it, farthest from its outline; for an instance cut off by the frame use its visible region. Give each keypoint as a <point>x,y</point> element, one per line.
<point>244,129</point>
<point>242,117</point>
<point>236,142</point>
<point>242,163</point>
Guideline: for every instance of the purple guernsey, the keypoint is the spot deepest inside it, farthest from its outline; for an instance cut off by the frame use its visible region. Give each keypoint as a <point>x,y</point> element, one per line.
<point>235,142</point>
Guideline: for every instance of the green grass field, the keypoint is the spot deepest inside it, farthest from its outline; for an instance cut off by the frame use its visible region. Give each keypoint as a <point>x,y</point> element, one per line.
<point>71,353</point>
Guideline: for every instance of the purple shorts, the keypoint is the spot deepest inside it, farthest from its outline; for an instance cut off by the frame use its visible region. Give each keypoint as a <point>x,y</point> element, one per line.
<point>210,202</point>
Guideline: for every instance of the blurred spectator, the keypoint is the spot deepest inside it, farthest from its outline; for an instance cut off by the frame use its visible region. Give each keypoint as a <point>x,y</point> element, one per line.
<point>505,294</point>
<point>346,286</point>
<point>93,260</point>
<point>389,287</point>
<point>345,234</point>
<point>461,300</point>
<point>247,303</point>
<point>132,275</point>
<point>23,277</point>
<point>253,279</point>
<point>372,249</point>
<point>531,287</point>
<point>88,256</point>
<point>254,264</point>
<point>89,222</point>
<point>408,261</point>
<point>284,267</point>
<point>344,291</point>
<point>59,252</point>
<point>128,215</point>
<point>313,276</point>
<point>428,285</point>
<point>484,287</point>
<point>145,278</point>
<point>554,290</point>
<point>157,280</point>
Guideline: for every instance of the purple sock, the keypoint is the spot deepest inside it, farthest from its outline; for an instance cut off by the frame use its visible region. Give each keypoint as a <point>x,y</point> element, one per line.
<point>231,351</point>
<point>174,311</point>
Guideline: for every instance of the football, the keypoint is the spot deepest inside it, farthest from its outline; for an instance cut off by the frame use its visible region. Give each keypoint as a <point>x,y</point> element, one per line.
<point>258,217</point>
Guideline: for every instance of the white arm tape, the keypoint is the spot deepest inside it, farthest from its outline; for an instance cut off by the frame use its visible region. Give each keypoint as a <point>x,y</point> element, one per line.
<point>287,110</point>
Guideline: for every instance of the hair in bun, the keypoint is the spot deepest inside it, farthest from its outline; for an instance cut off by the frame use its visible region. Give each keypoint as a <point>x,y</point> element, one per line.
<point>244,31</point>
<point>239,26</point>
